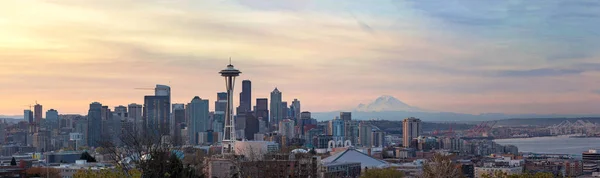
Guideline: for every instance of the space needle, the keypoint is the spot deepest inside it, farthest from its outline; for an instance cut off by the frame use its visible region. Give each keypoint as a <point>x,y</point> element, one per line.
<point>229,131</point>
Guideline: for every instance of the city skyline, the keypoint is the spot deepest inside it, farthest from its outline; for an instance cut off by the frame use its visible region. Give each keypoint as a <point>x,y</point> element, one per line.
<point>455,59</point>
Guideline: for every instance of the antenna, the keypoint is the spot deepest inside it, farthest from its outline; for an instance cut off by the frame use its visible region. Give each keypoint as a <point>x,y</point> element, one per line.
<point>230,60</point>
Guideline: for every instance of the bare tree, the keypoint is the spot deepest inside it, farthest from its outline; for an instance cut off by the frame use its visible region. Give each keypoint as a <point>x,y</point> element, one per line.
<point>440,166</point>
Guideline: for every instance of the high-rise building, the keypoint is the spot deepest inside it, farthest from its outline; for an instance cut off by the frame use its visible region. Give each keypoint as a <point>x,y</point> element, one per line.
<point>105,113</point>
<point>351,131</point>
<point>28,116</point>
<point>286,128</point>
<point>121,111</point>
<point>337,129</point>
<point>365,136</point>
<point>178,119</point>
<point>252,126</point>
<point>276,109</point>
<point>245,98</point>
<point>219,115</point>
<point>295,109</point>
<point>285,110</point>
<point>156,115</point>
<point>198,118</point>
<point>94,130</point>
<point>135,114</point>
<point>230,73</point>
<point>411,129</point>
<point>346,116</point>
<point>51,119</point>
<point>261,111</point>
<point>37,115</point>
<point>378,138</point>
<point>303,120</point>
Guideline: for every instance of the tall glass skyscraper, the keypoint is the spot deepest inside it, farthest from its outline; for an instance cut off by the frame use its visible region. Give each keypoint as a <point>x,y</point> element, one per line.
<point>156,115</point>
<point>245,98</point>
<point>51,119</point>
<point>198,118</point>
<point>276,109</point>
<point>94,124</point>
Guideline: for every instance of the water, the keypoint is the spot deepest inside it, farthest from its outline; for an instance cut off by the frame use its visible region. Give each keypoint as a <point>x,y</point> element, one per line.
<point>553,145</point>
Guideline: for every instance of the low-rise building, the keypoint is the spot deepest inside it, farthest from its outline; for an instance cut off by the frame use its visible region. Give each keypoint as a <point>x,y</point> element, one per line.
<point>342,169</point>
<point>482,171</point>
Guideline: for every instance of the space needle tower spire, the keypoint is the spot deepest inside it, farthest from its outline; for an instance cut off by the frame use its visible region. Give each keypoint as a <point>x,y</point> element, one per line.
<point>229,131</point>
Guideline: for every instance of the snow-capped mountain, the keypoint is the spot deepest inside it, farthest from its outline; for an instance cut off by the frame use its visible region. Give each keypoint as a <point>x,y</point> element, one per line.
<point>387,103</point>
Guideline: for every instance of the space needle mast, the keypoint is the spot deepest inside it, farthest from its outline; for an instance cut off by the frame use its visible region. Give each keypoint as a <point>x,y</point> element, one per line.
<point>229,131</point>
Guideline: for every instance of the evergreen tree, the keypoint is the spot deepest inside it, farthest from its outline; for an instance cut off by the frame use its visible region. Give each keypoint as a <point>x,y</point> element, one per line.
<point>13,162</point>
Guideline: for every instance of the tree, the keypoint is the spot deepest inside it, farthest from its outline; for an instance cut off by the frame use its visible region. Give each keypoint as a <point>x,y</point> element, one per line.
<point>43,172</point>
<point>13,162</point>
<point>500,174</point>
<point>149,153</point>
<point>107,173</point>
<point>313,151</point>
<point>86,156</point>
<point>440,166</point>
<point>382,173</point>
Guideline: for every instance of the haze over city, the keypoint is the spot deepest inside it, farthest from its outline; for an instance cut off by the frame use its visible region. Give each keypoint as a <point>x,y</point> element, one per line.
<point>468,57</point>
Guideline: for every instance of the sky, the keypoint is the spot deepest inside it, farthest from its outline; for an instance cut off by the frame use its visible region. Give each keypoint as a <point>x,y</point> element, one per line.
<point>467,56</point>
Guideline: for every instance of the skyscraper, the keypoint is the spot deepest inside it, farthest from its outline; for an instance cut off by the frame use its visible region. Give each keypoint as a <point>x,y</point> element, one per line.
<point>245,98</point>
<point>156,115</point>
<point>285,111</point>
<point>178,118</point>
<point>198,118</point>
<point>219,116</point>
<point>252,126</point>
<point>37,115</point>
<point>135,114</point>
<point>276,114</point>
<point>121,111</point>
<point>346,116</point>
<point>411,128</point>
<point>337,129</point>
<point>51,119</point>
<point>230,73</point>
<point>261,111</point>
<point>28,116</point>
<point>378,138</point>
<point>365,136</point>
<point>94,124</point>
<point>295,109</point>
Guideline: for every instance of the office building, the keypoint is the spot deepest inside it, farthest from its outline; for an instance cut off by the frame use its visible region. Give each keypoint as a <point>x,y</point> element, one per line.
<point>178,119</point>
<point>245,98</point>
<point>275,108</point>
<point>106,113</point>
<point>28,116</point>
<point>365,136</point>
<point>591,161</point>
<point>121,111</point>
<point>411,129</point>
<point>51,119</point>
<point>198,118</point>
<point>286,128</point>
<point>135,114</point>
<point>337,129</point>
<point>346,116</point>
<point>219,115</point>
<point>378,138</point>
<point>285,110</point>
<point>94,125</point>
<point>304,120</point>
<point>37,115</point>
<point>351,131</point>
<point>261,111</point>
<point>252,126</point>
<point>295,110</point>
<point>156,115</point>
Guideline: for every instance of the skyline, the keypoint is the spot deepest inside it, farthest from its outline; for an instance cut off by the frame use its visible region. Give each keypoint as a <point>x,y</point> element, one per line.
<point>469,57</point>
